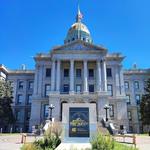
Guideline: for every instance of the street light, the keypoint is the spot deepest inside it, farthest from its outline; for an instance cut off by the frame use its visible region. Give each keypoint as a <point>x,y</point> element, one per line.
<point>106,107</point>
<point>51,107</point>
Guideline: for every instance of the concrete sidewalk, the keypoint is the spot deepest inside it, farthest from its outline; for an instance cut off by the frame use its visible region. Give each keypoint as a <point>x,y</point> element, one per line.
<point>74,146</point>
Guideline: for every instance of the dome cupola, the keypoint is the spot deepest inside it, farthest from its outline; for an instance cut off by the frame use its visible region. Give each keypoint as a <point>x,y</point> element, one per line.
<point>78,31</point>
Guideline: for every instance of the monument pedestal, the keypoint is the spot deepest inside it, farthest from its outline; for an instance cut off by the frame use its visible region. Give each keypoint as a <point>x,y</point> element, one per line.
<point>79,122</point>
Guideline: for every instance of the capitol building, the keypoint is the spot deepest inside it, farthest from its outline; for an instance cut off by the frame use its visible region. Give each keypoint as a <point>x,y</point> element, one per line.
<point>78,76</point>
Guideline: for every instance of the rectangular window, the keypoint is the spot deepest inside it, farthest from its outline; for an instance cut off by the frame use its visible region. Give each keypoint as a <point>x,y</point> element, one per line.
<point>66,72</point>
<point>28,115</point>
<point>46,111</point>
<point>48,72</point>
<point>78,73</point>
<point>66,88</point>
<point>111,110</point>
<point>130,128</point>
<point>128,99</point>
<point>137,98</point>
<point>91,88</point>
<point>30,85</point>
<point>126,84</point>
<point>29,100</point>
<point>91,73</point>
<point>110,89</point>
<point>129,115</point>
<point>136,85</point>
<point>20,85</point>
<point>19,99</point>
<point>18,115</point>
<point>47,89</point>
<point>109,72</point>
<point>139,115</point>
<point>78,88</point>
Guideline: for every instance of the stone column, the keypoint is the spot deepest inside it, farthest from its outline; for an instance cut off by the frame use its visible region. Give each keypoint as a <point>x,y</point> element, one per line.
<point>117,80</point>
<point>53,76</point>
<point>58,77</point>
<point>99,80</point>
<point>104,75</point>
<point>122,81</point>
<point>72,76</point>
<point>85,77</point>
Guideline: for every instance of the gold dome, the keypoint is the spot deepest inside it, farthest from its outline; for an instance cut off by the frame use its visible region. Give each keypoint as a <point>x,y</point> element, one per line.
<point>79,26</point>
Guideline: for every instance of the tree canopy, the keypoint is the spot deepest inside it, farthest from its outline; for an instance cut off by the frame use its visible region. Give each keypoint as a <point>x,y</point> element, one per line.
<point>145,105</point>
<point>6,113</point>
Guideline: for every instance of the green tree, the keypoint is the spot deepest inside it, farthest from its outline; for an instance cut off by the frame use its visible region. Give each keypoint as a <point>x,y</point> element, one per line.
<point>145,106</point>
<point>6,113</point>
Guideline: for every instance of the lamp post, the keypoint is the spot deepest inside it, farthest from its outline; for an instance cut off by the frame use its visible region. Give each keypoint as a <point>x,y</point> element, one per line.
<point>106,107</point>
<point>51,107</point>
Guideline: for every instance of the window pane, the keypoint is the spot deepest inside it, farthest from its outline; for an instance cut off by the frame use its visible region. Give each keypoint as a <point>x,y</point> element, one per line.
<point>48,72</point>
<point>128,99</point>
<point>126,84</point>
<point>20,84</point>
<point>110,90</point>
<point>129,115</point>
<point>28,115</point>
<point>109,72</point>
<point>136,85</point>
<point>78,72</point>
<point>66,72</point>
<point>137,98</point>
<point>78,88</point>
<point>91,88</point>
<point>139,115</point>
<point>47,89</point>
<point>29,99</point>
<point>66,88</point>
<point>91,73</point>
<point>19,99</point>
<point>46,110</point>
<point>18,115</point>
<point>31,85</point>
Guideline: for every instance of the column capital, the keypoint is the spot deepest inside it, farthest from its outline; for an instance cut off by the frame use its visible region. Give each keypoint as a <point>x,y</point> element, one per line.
<point>58,60</point>
<point>103,60</point>
<point>53,59</point>
<point>72,60</point>
<point>85,60</point>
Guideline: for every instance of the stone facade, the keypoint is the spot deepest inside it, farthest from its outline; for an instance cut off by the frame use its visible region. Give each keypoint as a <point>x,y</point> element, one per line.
<point>77,72</point>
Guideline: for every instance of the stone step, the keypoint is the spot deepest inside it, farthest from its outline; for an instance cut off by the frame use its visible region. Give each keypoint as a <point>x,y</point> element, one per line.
<point>74,146</point>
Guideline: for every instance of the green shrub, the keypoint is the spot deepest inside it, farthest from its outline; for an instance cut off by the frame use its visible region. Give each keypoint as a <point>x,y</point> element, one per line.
<point>49,142</point>
<point>102,142</point>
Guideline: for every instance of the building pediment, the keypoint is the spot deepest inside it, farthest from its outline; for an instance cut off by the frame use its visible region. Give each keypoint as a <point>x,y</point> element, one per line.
<point>80,46</point>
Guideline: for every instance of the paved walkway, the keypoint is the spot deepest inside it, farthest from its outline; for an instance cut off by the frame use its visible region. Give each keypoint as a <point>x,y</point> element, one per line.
<point>13,142</point>
<point>143,142</point>
<point>10,142</point>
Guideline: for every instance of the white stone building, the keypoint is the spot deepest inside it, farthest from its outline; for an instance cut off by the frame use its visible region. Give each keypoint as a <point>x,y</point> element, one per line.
<point>78,72</point>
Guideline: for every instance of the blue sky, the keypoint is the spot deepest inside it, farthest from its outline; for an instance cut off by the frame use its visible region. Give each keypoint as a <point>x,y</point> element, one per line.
<point>28,27</point>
